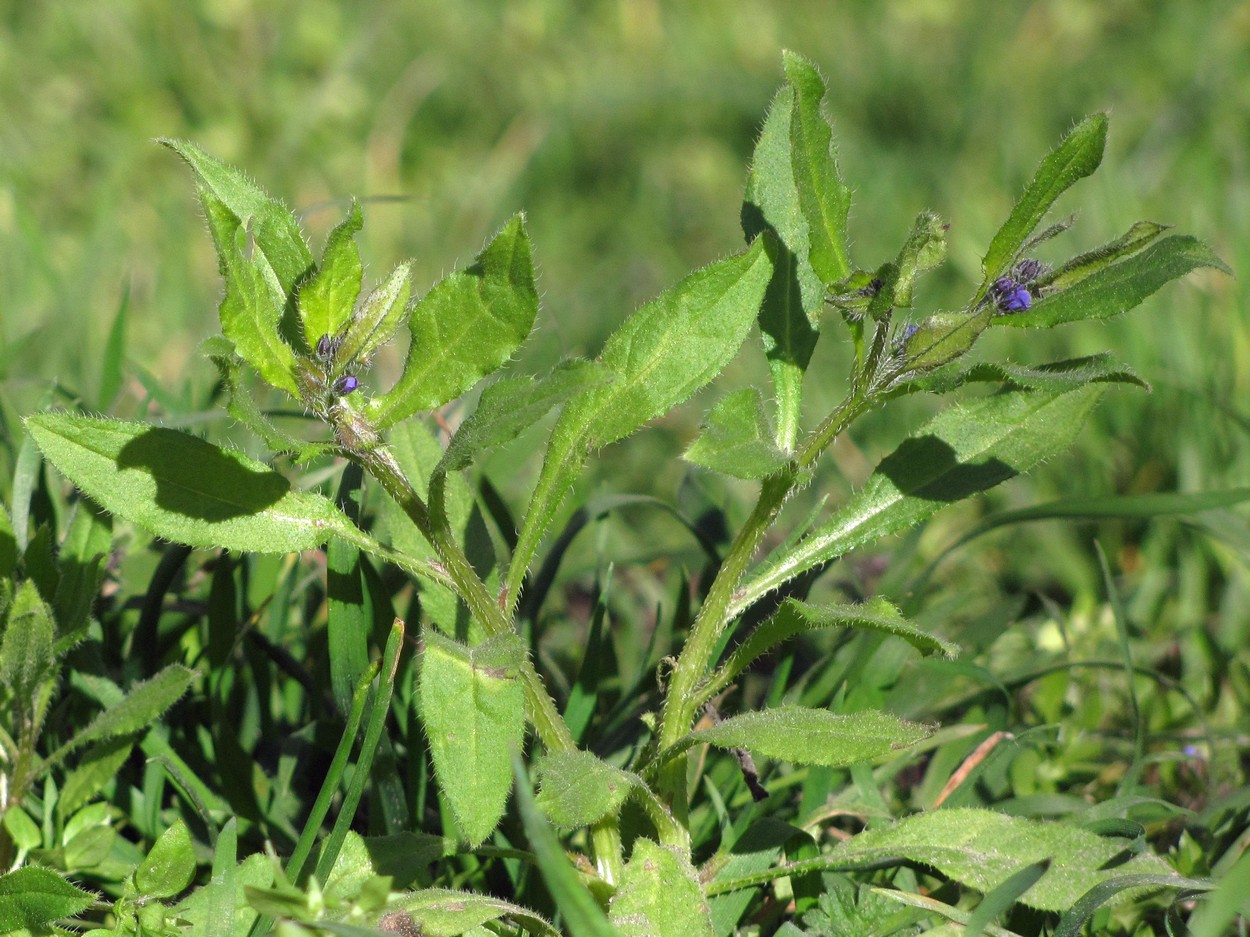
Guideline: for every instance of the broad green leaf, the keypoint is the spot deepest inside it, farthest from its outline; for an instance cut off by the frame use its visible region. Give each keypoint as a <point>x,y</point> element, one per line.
<point>736,438</point>
<point>795,617</point>
<point>277,234</point>
<point>220,909</point>
<point>1081,266</point>
<point>26,657</point>
<point>251,310</point>
<point>1119,287</point>
<point>327,298</point>
<point>469,324</point>
<point>814,736</point>
<point>577,789</point>
<point>375,323</point>
<point>960,452</point>
<point>445,912</point>
<point>31,897</point>
<point>473,708</point>
<point>581,912</point>
<point>169,867</point>
<point>182,488</point>
<point>142,705</point>
<point>982,849</point>
<point>824,198</point>
<point>659,895</point>
<point>924,250</point>
<point>790,310</point>
<point>659,356</point>
<point>1077,155</point>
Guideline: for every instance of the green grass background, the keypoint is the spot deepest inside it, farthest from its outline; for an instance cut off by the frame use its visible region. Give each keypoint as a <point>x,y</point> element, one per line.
<point>624,129</point>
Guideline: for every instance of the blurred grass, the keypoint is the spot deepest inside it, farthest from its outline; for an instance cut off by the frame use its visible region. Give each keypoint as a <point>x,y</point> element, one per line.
<point>623,129</point>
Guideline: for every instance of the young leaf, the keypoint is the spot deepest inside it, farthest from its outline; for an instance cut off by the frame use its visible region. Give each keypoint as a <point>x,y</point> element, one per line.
<point>32,898</point>
<point>1077,155</point>
<point>983,848</point>
<point>814,736</point>
<point>961,451</point>
<point>182,488</point>
<point>251,310</point>
<point>473,708</point>
<point>736,438</point>
<point>945,336</point>
<point>1055,376</point>
<point>660,895</point>
<point>379,316</point>
<point>577,789</point>
<point>327,298</point>
<point>465,327</point>
<point>824,198</point>
<point>924,250</point>
<point>1078,268</point>
<point>278,239</point>
<point>1117,288</point>
<point>661,355</point>
<point>169,867</point>
<point>26,657</point>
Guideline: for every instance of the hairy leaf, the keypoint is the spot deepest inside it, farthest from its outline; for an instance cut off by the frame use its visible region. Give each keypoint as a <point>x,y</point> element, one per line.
<point>32,897</point>
<point>736,438</point>
<point>660,896</point>
<point>327,298</point>
<point>577,789</point>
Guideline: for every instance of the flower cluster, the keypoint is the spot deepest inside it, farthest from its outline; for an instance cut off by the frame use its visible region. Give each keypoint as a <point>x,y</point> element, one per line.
<point>1016,292</point>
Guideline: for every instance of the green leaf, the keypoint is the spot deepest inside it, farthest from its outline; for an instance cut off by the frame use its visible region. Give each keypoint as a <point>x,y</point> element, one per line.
<point>577,789</point>
<point>1117,288</point>
<point>221,894</point>
<point>169,867</point>
<point>660,896</point>
<point>1077,155</point>
<point>278,239</point>
<point>380,315</point>
<point>182,488</point>
<point>945,336</point>
<point>924,250</point>
<point>220,908</point>
<point>8,545</point>
<point>465,327</point>
<point>582,914</point>
<point>251,310</point>
<point>143,704</point>
<point>114,359</point>
<point>1124,887</point>
<point>327,298</point>
<point>659,356</point>
<point>791,304</point>
<point>473,708</point>
<point>445,912</point>
<point>1006,894</point>
<point>824,198</point>
<point>795,617</point>
<point>31,897</point>
<point>736,439</point>
<point>1055,376</point>
<point>26,657</point>
<point>814,736</point>
<point>1078,268</point>
<point>960,452</point>
<point>982,849</point>
<point>94,770</point>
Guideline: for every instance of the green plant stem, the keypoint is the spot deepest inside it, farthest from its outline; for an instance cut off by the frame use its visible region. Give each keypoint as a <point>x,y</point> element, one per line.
<point>546,719</point>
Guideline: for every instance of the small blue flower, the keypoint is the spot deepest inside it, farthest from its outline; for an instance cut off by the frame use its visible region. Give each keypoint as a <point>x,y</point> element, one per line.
<point>1010,296</point>
<point>346,384</point>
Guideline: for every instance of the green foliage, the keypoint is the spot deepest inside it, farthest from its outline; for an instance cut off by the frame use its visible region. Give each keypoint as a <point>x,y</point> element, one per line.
<point>650,767</point>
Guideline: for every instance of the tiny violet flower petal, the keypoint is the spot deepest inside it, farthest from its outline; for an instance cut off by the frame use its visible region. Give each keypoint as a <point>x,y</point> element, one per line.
<point>346,384</point>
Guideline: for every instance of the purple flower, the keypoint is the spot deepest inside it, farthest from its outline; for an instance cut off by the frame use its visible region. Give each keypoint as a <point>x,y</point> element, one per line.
<point>1010,296</point>
<point>346,384</point>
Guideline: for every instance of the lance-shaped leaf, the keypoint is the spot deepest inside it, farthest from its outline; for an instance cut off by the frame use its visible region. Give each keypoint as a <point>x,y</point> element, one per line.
<point>251,309</point>
<point>824,198</point>
<point>1057,375</point>
<point>1141,234</point>
<point>327,298</point>
<point>659,895</point>
<point>983,848</point>
<point>945,336</point>
<point>736,438</point>
<point>473,708</point>
<point>659,356</point>
<point>794,618</point>
<point>1077,155</point>
<point>379,316</point>
<point>465,327</point>
<point>279,244</point>
<point>814,736</point>
<point>184,489</point>
<point>1119,287</point>
<point>961,451</point>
